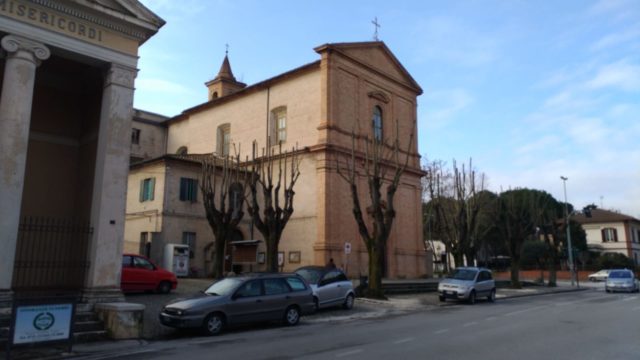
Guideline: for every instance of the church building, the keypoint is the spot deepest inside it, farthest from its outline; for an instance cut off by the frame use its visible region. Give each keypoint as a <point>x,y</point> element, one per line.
<point>353,88</point>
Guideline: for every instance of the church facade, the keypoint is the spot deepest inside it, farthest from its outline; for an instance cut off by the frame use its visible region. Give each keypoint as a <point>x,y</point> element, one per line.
<point>354,88</point>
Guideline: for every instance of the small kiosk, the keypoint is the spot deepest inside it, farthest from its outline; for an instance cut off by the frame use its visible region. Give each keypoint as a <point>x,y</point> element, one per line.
<point>176,259</point>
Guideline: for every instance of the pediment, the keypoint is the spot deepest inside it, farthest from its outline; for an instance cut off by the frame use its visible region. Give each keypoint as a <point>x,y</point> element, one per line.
<point>375,54</point>
<point>131,11</point>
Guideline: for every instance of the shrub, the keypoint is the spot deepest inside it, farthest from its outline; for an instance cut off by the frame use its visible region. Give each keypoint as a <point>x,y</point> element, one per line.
<point>614,261</point>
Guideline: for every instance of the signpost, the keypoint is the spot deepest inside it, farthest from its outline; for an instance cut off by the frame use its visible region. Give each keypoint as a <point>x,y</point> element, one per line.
<point>347,251</point>
<point>40,321</point>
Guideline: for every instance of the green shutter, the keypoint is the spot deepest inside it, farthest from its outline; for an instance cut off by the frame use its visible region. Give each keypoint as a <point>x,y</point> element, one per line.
<point>152,187</point>
<point>194,197</point>
<point>141,190</point>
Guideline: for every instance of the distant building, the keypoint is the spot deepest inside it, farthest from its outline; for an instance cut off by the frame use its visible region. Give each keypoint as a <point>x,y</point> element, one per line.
<point>354,87</point>
<point>612,232</point>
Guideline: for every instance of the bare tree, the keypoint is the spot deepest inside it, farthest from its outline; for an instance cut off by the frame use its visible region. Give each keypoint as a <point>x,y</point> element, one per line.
<point>455,206</point>
<point>276,175</point>
<point>223,187</point>
<point>377,160</point>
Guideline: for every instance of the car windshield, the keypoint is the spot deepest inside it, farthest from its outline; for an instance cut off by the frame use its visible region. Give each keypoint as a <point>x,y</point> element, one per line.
<point>312,276</point>
<point>223,287</point>
<point>620,275</point>
<point>464,274</point>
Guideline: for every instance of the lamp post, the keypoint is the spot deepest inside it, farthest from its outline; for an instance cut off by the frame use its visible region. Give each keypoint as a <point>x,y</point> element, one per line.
<point>566,220</point>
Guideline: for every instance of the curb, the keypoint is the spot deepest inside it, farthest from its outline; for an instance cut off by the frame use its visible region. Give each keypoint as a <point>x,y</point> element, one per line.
<point>559,291</point>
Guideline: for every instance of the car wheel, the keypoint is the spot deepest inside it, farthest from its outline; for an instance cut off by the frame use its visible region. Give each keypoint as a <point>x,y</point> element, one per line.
<point>492,296</point>
<point>348,302</point>
<point>164,287</point>
<point>291,316</point>
<point>213,324</point>
<point>472,297</point>
<point>442,298</point>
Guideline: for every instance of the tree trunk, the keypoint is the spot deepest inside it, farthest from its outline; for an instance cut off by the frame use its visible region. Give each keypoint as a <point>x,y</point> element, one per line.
<point>218,258</point>
<point>272,253</point>
<point>375,274</point>
<point>552,272</point>
<point>515,274</point>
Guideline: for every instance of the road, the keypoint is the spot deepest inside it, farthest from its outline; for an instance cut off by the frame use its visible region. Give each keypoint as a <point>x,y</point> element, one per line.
<point>589,324</point>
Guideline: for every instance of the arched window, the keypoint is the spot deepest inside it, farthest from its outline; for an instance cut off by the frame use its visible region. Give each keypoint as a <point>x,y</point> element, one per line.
<point>376,123</point>
<point>223,139</point>
<point>279,125</point>
<point>182,150</point>
<point>214,95</point>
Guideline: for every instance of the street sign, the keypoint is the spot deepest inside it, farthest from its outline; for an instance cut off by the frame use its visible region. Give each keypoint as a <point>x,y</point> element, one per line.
<point>347,248</point>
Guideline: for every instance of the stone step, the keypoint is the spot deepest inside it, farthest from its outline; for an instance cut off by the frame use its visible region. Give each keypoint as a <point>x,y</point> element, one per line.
<point>87,326</point>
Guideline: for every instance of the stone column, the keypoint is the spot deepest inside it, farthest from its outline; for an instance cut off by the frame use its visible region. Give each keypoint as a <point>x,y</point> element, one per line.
<point>110,187</point>
<point>23,56</point>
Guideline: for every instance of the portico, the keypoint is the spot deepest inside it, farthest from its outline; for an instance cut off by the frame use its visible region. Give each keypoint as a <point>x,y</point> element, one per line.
<point>65,125</point>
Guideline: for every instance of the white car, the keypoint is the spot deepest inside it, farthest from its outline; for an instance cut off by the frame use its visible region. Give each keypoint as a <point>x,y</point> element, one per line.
<point>468,283</point>
<point>330,286</point>
<point>621,280</point>
<point>599,276</point>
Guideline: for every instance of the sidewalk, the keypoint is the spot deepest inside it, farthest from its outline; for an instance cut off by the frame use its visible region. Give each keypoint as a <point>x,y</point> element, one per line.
<point>363,309</point>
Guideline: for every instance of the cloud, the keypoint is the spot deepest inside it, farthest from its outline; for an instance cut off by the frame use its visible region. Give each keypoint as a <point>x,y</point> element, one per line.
<point>617,38</point>
<point>160,85</point>
<point>615,9</point>
<point>447,40</point>
<point>622,75</point>
<point>444,105</point>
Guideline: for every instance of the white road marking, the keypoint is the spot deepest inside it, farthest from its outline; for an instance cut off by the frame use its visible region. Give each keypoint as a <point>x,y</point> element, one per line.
<point>352,352</point>
<point>470,324</point>
<point>441,331</point>
<point>630,298</point>
<point>490,318</point>
<point>403,340</point>
<point>524,310</point>
<point>581,300</point>
<point>636,308</point>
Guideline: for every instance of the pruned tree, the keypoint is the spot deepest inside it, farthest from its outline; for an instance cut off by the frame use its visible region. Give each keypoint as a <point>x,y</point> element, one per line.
<point>273,178</point>
<point>374,165</point>
<point>223,186</point>
<point>456,206</point>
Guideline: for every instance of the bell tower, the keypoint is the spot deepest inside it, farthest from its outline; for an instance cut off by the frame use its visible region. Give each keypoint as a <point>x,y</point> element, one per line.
<point>224,83</point>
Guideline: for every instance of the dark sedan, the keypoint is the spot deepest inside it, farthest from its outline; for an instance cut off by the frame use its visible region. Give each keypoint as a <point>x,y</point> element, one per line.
<point>243,299</point>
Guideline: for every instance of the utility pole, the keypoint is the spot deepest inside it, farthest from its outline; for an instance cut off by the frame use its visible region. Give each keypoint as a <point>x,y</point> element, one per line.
<point>566,220</point>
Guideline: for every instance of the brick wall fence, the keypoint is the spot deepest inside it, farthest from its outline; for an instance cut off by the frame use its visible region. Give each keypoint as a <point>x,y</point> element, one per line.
<point>535,274</point>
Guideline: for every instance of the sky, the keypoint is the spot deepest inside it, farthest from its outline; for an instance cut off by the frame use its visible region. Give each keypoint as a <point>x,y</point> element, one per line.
<point>530,90</point>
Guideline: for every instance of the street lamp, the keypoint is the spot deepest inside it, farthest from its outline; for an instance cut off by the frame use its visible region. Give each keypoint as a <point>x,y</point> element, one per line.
<point>566,220</point>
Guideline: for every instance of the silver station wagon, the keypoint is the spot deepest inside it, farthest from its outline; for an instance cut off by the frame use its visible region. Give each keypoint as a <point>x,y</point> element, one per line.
<point>468,283</point>
<point>243,299</point>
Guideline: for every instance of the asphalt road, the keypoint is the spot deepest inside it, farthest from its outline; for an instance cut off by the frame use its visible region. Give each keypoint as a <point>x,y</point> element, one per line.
<point>580,325</point>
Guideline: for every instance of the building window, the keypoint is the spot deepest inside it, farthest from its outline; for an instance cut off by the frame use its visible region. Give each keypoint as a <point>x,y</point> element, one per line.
<point>135,136</point>
<point>609,235</point>
<point>223,139</point>
<point>376,123</point>
<point>147,187</point>
<point>236,196</point>
<point>280,123</point>
<point>189,238</point>
<point>188,189</point>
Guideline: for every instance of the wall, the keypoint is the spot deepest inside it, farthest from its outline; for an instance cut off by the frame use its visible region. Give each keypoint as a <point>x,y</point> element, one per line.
<point>247,115</point>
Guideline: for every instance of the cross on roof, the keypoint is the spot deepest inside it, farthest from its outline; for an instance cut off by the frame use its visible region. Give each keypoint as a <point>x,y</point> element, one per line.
<point>226,51</point>
<point>377,25</point>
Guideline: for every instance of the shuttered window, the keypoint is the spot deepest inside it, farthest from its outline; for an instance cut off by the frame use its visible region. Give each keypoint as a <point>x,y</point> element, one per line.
<point>188,189</point>
<point>147,189</point>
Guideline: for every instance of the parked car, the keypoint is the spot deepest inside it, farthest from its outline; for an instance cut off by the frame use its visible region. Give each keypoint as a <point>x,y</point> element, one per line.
<point>330,286</point>
<point>468,283</point>
<point>243,299</point>
<point>141,274</point>
<point>599,276</point>
<point>621,280</point>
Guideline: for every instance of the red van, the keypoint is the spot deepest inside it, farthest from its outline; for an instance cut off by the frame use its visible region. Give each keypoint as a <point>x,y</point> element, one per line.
<point>141,274</point>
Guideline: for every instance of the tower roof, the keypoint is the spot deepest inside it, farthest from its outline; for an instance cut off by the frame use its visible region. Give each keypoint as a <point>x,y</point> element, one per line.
<point>225,70</point>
